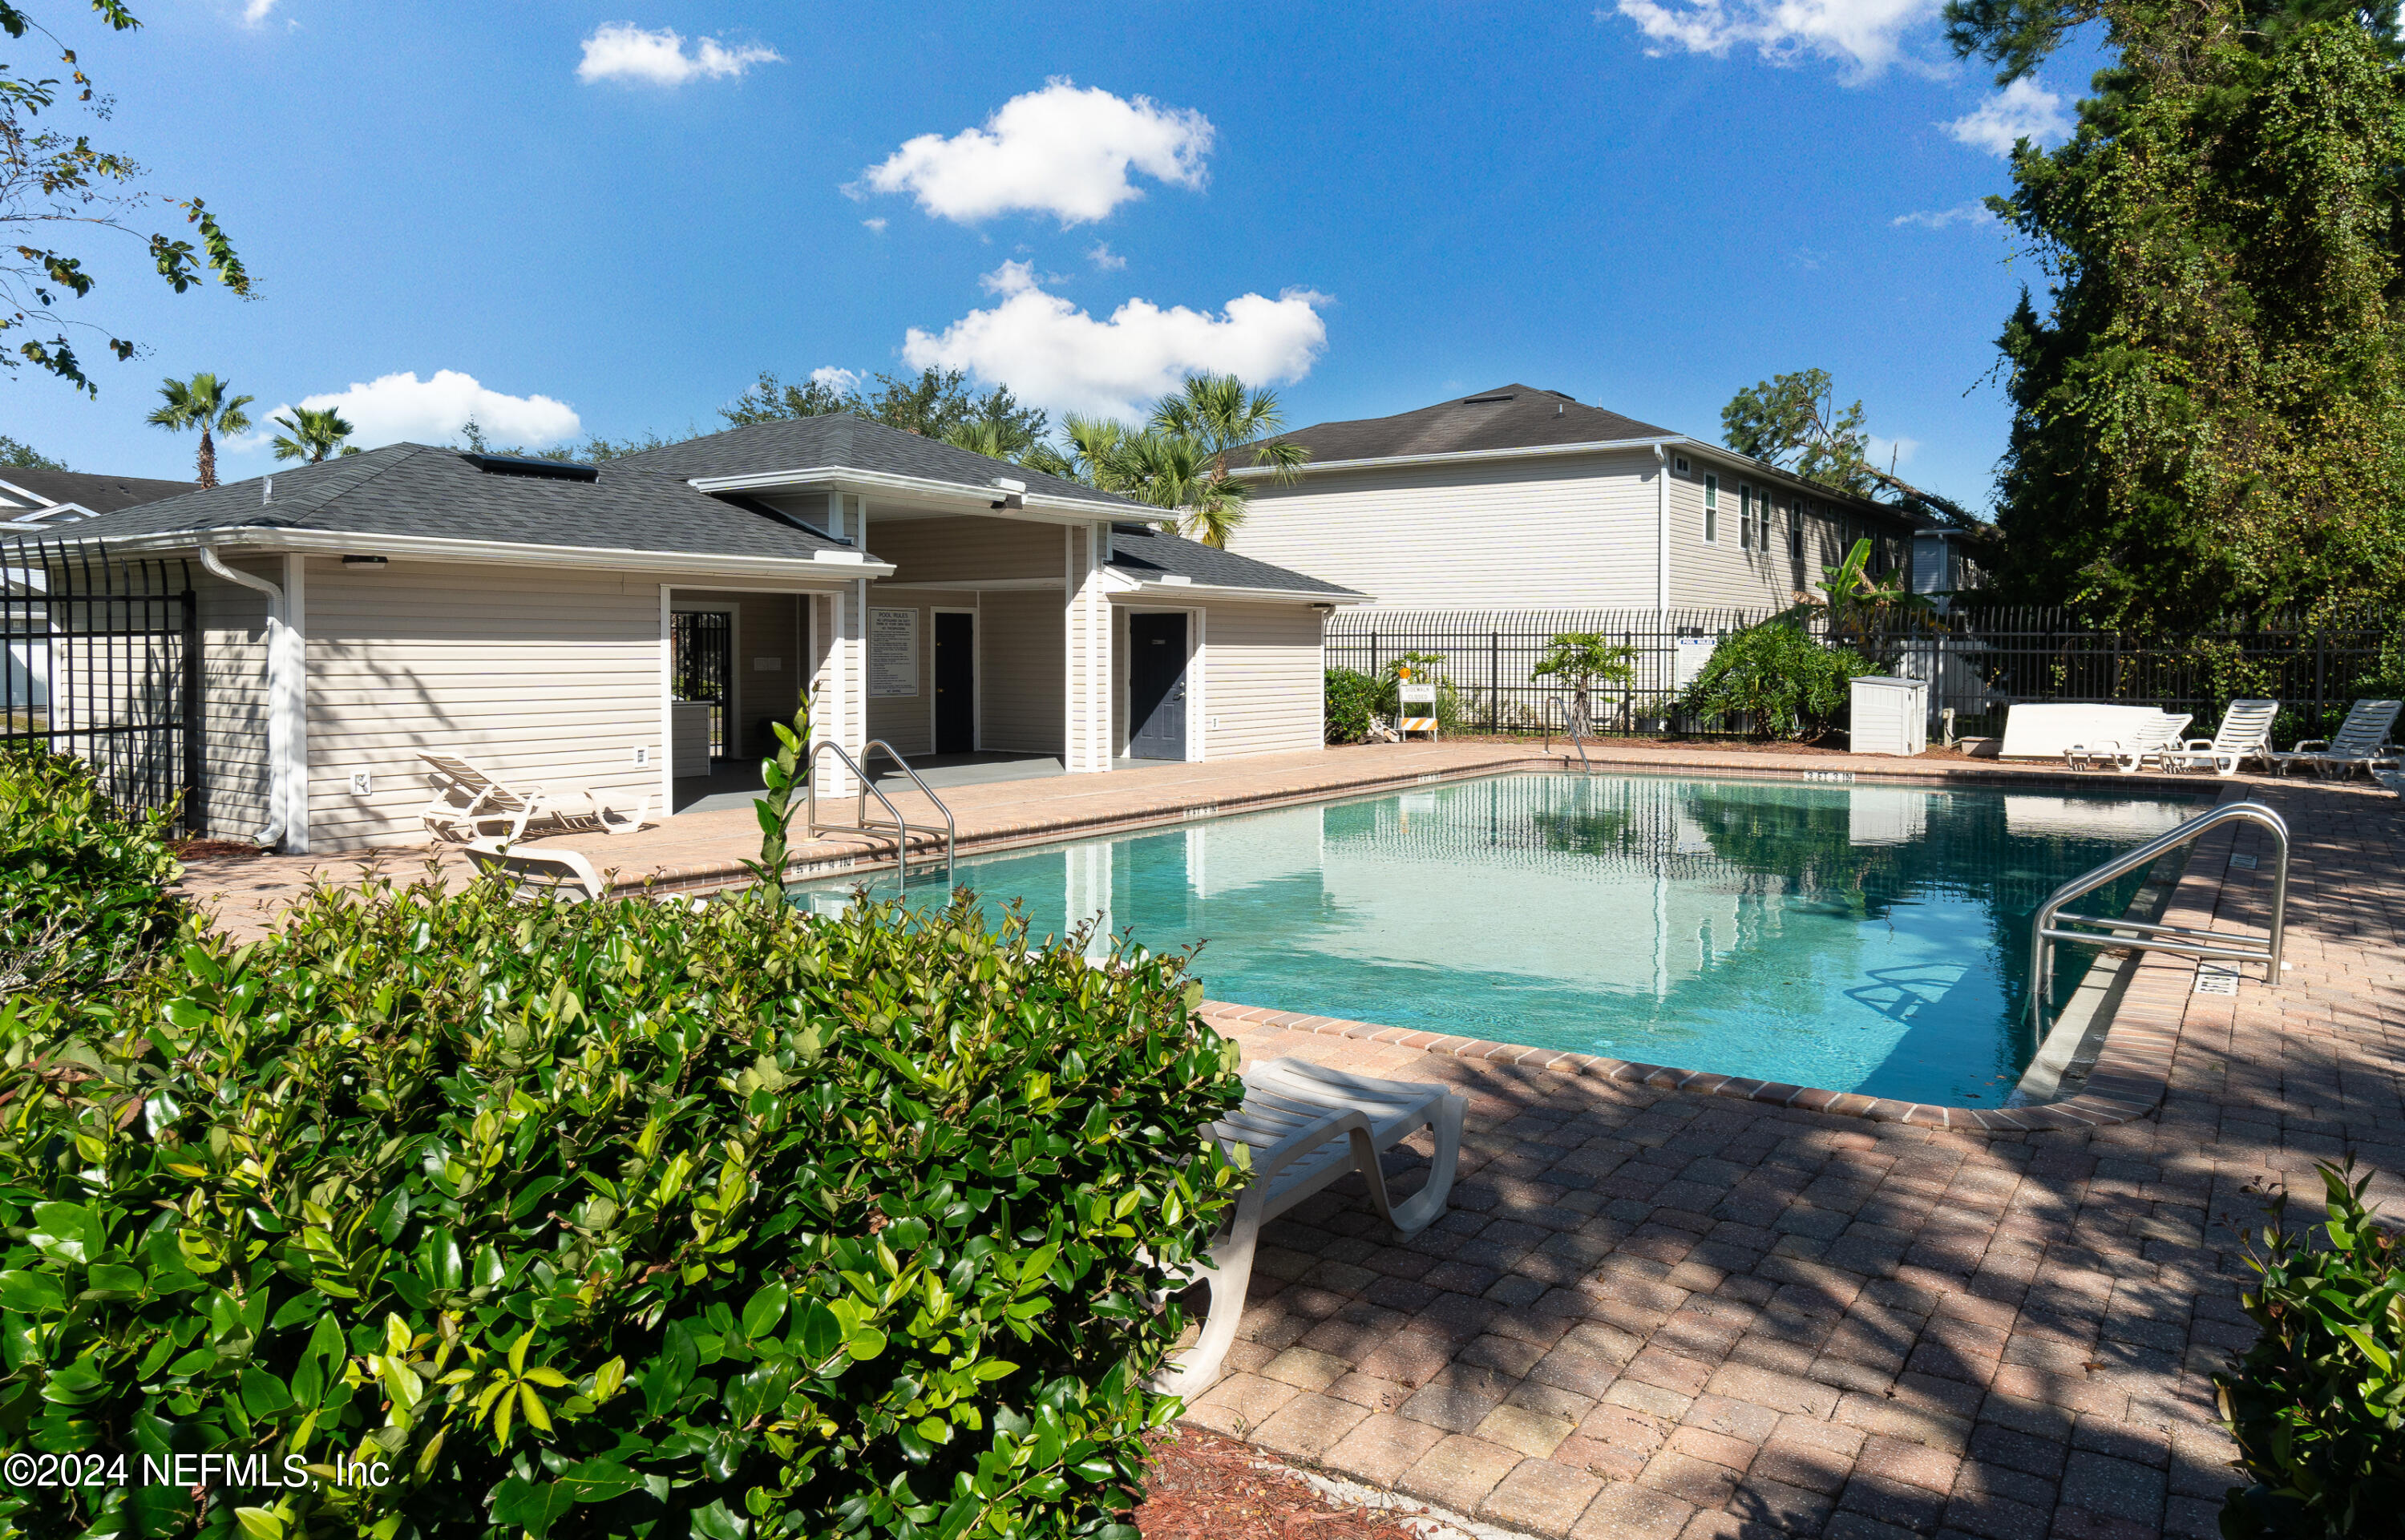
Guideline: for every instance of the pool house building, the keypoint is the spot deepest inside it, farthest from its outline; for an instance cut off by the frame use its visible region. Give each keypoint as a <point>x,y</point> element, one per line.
<point>632,628</point>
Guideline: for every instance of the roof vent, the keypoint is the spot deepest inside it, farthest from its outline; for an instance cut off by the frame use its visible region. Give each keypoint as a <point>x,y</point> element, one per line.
<point>1014,493</point>
<point>1472,400</point>
<point>530,465</point>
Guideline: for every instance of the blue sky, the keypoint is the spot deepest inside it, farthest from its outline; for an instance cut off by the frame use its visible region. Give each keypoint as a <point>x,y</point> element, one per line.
<point>607,229</point>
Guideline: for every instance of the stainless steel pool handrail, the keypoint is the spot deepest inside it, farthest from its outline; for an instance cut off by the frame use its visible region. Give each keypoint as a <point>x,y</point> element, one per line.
<point>2181,940</point>
<point>1554,701</point>
<point>900,826</point>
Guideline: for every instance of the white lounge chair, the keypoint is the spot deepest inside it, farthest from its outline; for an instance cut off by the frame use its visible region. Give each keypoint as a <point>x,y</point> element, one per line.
<point>545,867</point>
<point>1307,1125</point>
<point>467,796</point>
<point>2359,743</point>
<point>612,821</point>
<point>2244,733</point>
<point>2148,740</point>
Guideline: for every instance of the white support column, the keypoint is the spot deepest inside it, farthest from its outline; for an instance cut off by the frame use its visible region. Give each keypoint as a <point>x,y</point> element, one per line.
<point>839,704</point>
<point>1661,533</point>
<point>292,703</point>
<point>1086,633</point>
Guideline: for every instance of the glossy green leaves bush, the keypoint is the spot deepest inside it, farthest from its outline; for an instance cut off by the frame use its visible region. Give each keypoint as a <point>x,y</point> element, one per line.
<point>2318,1404</point>
<point>82,882</point>
<point>618,1219</point>
<point>1776,677</point>
<point>1354,699</point>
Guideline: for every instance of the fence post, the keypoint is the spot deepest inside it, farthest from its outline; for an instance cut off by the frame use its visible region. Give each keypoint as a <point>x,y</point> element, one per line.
<point>2321,650</point>
<point>1494,683</point>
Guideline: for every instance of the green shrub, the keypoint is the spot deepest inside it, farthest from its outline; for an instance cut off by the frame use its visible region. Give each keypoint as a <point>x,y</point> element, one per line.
<point>1786,683</point>
<point>82,882</point>
<point>1352,699</point>
<point>616,1218</point>
<point>2318,1404</point>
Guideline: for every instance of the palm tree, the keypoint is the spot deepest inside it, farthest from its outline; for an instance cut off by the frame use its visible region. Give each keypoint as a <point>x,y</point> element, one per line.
<point>311,433</point>
<point>207,402</point>
<point>1221,414</point>
<point>979,437</point>
<point>1173,471</point>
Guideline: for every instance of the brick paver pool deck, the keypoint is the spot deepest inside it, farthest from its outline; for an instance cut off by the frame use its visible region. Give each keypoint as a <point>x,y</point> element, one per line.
<point>1654,1312</point>
<point>1675,1305</point>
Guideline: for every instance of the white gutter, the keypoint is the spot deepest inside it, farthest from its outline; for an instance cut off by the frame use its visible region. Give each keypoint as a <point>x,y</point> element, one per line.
<point>1154,588</point>
<point>283,688</point>
<point>826,566</point>
<point>853,478</point>
<point>1699,448</point>
<point>1662,530</point>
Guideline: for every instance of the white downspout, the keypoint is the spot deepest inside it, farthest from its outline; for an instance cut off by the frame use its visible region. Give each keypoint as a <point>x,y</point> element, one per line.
<point>1661,533</point>
<point>280,737</point>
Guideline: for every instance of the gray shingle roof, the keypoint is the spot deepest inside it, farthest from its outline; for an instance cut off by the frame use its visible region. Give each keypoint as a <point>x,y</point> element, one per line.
<point>841,439</point>
<point>1509,417</point>
<point>1145,551</point>
<point>434,493</point>
<point>100,494</point>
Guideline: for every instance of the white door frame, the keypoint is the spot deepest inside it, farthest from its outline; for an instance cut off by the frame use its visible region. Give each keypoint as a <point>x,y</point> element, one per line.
<point>804,599</point>
<point>1125,684</point>
<point>976,675</point>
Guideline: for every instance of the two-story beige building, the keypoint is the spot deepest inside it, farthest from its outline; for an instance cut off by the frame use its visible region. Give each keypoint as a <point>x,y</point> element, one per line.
<point>1517,498</point>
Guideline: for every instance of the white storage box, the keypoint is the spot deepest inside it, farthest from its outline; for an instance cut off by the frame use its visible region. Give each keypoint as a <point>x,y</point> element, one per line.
<point>1889,715</point>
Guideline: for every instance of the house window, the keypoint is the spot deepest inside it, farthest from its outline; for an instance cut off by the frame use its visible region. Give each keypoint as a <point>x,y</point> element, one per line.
<point>1682,464</point>
<point>1711,508</point>
<point>1795,530</point>
<point>1744,516</point>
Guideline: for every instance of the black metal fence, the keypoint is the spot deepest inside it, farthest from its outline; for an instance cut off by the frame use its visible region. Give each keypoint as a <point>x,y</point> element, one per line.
<point>99,658</point>
<point>1978,660</point>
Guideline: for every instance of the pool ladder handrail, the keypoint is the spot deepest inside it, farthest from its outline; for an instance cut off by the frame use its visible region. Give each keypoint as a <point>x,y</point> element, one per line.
<point>2181,940</point>
<point>869,789</point>
<point>1554,702</point>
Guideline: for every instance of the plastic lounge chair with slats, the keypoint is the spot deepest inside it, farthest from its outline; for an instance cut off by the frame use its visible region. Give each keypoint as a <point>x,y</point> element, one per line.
<point>1306,1126</point>
<point>551,866</point>
<point>467,796</point>
<point>2148,741</point>
<point>2359,743</point>
<point>610,820</point>
<point>2244,733</point>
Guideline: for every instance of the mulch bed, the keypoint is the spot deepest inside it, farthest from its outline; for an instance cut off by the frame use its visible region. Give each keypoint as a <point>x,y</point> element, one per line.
<point>1204,1487</point>
<point>212,849</point>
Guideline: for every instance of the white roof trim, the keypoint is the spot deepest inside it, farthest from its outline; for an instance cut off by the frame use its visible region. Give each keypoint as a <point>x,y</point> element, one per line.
<point>1154,588</point>
<point>1699,448</point>
<point>826,566</point>
<point>854,478</point>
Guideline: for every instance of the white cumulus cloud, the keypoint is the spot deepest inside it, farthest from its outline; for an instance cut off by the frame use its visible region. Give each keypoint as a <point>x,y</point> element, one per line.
<point>1104,258</point>
<point>2023,110</point>
<point>1056,356</point>
<point>1061,151</point>
<point>1972,212</point>
<point>842,381</point>
<point>1863,35</point>
<point>256,11</point>
<point>621,51</point>
<point>875,227</point>
<point>391,408</point>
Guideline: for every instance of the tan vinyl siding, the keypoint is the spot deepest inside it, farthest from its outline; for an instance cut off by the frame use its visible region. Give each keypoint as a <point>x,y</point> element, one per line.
<point>966,550</point>
<point>1262,679</point>
<point>234,697</point>
<point>1021,655</point>
<point>907,722</point>
<point>1724,575</point>
<point>1554,530</point>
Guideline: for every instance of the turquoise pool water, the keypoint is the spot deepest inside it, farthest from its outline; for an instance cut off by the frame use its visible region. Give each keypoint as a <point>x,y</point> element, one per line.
<point>1862,938</point>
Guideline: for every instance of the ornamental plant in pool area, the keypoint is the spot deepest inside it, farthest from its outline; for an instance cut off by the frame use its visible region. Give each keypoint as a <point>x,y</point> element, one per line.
<point>614,1219</point>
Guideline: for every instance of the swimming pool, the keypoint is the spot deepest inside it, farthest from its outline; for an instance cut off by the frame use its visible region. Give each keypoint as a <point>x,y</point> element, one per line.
<point>1855,937</point>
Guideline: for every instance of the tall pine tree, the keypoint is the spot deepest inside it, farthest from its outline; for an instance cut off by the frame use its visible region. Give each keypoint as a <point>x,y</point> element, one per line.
<point>2210,416</point>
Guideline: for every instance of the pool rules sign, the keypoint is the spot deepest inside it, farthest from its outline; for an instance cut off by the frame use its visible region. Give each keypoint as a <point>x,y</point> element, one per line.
<point>893,652</point>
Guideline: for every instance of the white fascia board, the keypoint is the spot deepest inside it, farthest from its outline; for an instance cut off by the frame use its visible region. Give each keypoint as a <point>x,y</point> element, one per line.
<point>1152,590</point>
<point>825,567</point>
<point>849,479</point>
<point>1698,449</point>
